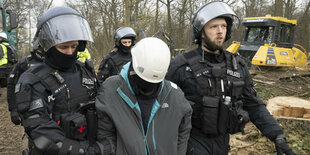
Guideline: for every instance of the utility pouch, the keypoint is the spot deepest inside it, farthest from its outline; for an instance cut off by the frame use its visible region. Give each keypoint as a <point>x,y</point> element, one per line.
<point>237,88</point>
<point>223,118</point>
<point>210,110</point>
<point>238,118</point>
<point>74,126</point>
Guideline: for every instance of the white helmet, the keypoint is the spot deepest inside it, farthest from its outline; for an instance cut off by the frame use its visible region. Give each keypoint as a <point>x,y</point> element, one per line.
<point>151,59</point>
<point>3,35</point>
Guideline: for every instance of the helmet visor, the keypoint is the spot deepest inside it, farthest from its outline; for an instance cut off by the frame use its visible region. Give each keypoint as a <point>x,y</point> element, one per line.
<point>62,29</point>
<point>211,11</point>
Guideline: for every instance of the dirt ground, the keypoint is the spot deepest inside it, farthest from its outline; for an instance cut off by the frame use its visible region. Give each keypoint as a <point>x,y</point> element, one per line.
<point>11,136</point>
<point>268,83</point>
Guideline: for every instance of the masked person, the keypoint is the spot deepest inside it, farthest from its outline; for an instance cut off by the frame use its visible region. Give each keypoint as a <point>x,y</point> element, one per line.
<point>219,87</point>
<point>36,56</point>
<point>147,114</point>
<point>113,62</point>
<point>55,98</point>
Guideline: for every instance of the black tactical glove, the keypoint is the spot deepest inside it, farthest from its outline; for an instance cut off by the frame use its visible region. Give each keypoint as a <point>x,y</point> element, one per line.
<point>67,147</point>
<point>15,117</point>
<point>70,147</point>
<point>45,145</point>
<point>94,150</point>
<point>282,147</point>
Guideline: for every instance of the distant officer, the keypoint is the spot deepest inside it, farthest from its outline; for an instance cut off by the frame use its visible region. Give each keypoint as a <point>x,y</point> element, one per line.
<point>112,63</point>
<point>141,113</point>
<point>55,99</point>
<point>3,52</point>
<point>219,87</point>
<point>36,56</point>
<point>84,56</point>
<point>3,56</point>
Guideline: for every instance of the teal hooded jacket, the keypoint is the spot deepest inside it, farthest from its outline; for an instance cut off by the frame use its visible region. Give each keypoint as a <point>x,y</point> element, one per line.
<point>120,128</point>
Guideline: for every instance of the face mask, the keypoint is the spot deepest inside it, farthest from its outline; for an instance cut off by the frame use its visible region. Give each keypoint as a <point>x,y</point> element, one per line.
<point>143,88</point>
<point>125,49</point>
<point>60,61</point>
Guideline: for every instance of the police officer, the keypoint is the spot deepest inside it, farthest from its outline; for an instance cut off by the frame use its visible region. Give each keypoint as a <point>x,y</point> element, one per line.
<point>84,56</point>
<point>3,56</point>
<point>147,114</point>
<point>54,98</point>
<point>3,52</point>
<point>219,87</point>
<point>36,56</point>
<point>113,62</point>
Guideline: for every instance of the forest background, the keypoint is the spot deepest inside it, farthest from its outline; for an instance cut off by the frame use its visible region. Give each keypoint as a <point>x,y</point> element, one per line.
<point>174,17</point>
<point>171,16</point>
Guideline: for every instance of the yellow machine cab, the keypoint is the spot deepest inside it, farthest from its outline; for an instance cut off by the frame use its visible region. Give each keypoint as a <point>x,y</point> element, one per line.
<point>269,41</point>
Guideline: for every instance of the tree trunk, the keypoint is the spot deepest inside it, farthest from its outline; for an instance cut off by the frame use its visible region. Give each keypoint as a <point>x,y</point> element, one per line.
<point>278,8</point>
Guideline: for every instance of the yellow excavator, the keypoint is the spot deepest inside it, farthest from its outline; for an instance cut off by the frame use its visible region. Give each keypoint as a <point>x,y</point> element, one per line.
<point>269,41</point>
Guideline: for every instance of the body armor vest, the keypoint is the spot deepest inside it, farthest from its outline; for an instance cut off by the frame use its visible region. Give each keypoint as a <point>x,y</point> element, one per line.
<point>67,94</point>
<point>118,62</point>
<point>215,82</point>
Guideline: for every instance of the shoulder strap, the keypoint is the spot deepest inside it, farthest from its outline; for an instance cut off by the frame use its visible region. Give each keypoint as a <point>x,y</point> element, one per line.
<point>233,60</point>
<point>47,76</point>
<point>118,60</point>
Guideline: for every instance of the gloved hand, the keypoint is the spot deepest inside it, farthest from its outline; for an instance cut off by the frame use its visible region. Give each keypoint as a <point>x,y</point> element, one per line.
<point>15,117</point>
<point>282,147</point>
<point>48,147</point>
<point>94,150</point>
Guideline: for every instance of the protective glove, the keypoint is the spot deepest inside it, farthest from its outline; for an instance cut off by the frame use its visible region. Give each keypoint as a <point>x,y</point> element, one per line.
<point>15,117</point>
<point>95,149</point>
<point>48,147</point>
<point>282,147</point>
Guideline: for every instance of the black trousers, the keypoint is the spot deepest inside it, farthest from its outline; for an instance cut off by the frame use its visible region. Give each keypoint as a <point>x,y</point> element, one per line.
<point>200,144</point>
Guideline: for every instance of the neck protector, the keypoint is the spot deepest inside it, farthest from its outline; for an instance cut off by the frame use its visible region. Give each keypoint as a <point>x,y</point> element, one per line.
<point>124,49</point>
<point>142,88</point>
<point>60,61</point>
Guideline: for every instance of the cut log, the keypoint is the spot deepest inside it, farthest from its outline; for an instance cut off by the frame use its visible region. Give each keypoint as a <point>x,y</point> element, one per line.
<point>289,107</point>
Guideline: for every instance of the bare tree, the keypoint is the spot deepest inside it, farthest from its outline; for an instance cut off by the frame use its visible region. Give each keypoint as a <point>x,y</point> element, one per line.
<point>278,11</point>
<point>305,30</point>
<point>168,5</point>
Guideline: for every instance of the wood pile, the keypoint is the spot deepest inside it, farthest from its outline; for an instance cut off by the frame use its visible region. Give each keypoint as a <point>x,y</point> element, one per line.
<point>291,107</point>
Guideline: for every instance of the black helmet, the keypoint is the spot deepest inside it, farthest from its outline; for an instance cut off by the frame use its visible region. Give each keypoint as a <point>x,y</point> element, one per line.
<point>124,32</point>
<point>59,25</point>
<point>211,11</point>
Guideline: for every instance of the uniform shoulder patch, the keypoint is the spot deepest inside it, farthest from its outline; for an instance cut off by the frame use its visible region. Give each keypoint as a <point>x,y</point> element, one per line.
<point>36,104</point>
<point>17,88</point>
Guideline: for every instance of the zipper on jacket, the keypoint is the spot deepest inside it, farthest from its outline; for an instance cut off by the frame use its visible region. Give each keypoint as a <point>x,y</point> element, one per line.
<point>147,150</point>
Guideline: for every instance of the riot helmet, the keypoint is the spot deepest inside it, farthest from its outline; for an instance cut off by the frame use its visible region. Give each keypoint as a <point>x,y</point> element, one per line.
<point>211,11</point>
<point>151,59</point>
<point>124,32</point>
<point>62,24</point>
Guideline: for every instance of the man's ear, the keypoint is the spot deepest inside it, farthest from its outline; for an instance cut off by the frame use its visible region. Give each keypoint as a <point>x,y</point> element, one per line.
<point>203,34</point>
